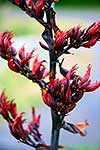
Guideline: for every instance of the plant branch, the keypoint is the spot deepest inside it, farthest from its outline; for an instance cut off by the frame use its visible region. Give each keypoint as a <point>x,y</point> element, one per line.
<point>48,37</point>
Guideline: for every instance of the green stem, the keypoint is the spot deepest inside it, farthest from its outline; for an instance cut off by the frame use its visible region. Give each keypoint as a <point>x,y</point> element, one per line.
<point>38,149</point>
<point>55,118</point>
<point>55,131</point>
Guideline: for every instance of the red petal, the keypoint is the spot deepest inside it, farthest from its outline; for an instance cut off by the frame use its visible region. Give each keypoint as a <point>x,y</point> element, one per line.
<point>27,58</point>
<point>93,87</point>
<point>68,94</point>
<point>71,72</point>
<point>85,85</point>
<point>12,66</point>
<point>5,40</point>
<point>36,120</point>
<point>86,76</point>
<point>22,53</point>
<point>47,99</point>
<point>39,6</point>
<point>29,3</point>
<point>37,65</point>
<point>12,109</point>
<point>93,29</point>
<point>91,42</point>
<point>17,2</point>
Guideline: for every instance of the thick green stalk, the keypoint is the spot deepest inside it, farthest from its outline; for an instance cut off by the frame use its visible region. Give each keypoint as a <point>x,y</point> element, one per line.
<point>55,117</point>
<point>55,131</point>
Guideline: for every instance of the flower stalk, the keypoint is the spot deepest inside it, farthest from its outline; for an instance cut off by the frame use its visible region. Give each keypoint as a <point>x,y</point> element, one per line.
<point>55,118</point>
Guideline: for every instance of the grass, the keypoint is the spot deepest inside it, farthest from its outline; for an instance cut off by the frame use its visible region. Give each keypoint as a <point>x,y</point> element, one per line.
<point>81,147</point>
<point>88,4</point>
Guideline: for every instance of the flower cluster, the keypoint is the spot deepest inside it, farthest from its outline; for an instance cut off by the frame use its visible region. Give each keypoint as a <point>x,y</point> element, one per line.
<point>30,134</point>
<point>33,8</point>
<point>76,37</point>
<point>36,7</point>
<point>21,64</point>
<point>26,133</point>
<point>6,49</point>
<point>62,95</point>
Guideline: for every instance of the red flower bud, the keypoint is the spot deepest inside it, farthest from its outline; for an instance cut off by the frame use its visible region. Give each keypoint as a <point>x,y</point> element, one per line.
<point>71,72</point>
<point>92,87</point>
<point>60,40</point>
<point>39,70</point>
<point>26,58</point>
<point>68,94</point>
<point>7,109</point>
<point>17,2</point>
<point>93,29</point>
<point>12,109</point>
<point>85,84</point>
<point>29,3</point>
<point>35,120</point>
<point>86,76</point>
<point>91,42</point>
<point>47,98</point>
<point>22,53</point>
<point>12,65</point>
<point>5,41</point>
<point>39,7</point>
<point>17,129</point>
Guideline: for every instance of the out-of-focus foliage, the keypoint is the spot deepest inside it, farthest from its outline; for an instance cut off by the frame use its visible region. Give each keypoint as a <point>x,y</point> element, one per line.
<point>79,3</point>
<point>3,1</point>
<point>70,3</point>
<point>82,147</point>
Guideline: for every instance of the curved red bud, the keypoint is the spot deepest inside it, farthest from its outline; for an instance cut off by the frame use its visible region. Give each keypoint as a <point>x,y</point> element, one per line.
<point>27,58</point>
<point>93,29</point>
<point>60,39</point>
<point>86,76</point>
<point>22,53</point>
<point>39,6</point>
<point>92,87</point>
<point>17,2</point>
<point>68,94</point>
<point>36,119</point>
<point>91,42</point>
<point>12,66</point>
<point>29,3</point>
<point>71,72</point>
<point>47,99</point>
<point>85,85</point>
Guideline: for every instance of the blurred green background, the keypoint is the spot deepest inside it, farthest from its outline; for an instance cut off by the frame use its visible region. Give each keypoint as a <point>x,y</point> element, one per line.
<point>71,2</point>
<point>82,3</point>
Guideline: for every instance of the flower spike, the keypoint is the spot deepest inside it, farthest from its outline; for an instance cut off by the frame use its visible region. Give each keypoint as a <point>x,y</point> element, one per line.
<point>6,49</point>
<point>29,135</point>
<point>63,94</point>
